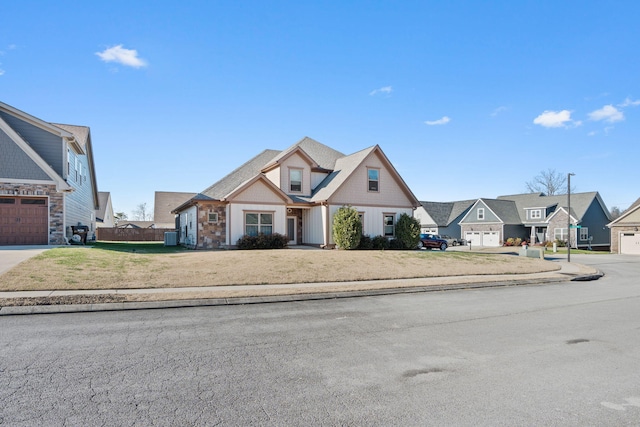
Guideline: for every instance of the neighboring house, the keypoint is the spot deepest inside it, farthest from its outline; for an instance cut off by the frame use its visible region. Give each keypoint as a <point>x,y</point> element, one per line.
<point>47,180</point>
<point>538,218</point>
<point>164,203</point>
<point>442,217</point>
<point>136,224</point>
<point>625,238</point>
<point>104,214</point>
<point>296,192</point>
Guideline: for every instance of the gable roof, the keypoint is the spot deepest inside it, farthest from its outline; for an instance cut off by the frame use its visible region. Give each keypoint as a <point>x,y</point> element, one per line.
<point>320,157</point>
<point>444,213</point>
<point>165,202</point>
<point>580,202</point>
<point>103,199</point>
<point>634,207</point>
<point>36,167</point>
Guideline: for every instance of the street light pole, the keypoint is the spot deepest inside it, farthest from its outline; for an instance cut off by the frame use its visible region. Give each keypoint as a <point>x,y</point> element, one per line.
<point>569,175</point>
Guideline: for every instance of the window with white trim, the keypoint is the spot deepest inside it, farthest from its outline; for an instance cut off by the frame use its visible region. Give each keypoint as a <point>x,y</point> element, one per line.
<point>295,180</point>
<point>373,176</point>
<point>389,225</point>
<point>535,214</point>
<point>258,222</point>
<point>481,213</point>
<point>213,217</point>
<point>560,234</point>
<point>584,233</point>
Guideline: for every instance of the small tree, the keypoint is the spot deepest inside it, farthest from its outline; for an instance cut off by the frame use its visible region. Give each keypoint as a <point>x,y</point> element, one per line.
<point>615,212</point>
<point>120,216</point>
<point>142,213</point>
<point>408,231</point>
<point>549,182</point>
<point>347,228</point>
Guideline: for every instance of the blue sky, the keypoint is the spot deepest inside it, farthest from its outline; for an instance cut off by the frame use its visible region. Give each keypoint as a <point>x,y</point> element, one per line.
<point>468,99</point>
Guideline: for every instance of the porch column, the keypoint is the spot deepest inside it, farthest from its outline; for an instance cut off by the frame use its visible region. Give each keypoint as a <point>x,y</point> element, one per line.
<point>532,238</point>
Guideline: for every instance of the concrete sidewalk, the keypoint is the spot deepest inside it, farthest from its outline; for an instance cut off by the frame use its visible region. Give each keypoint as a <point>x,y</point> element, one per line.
<point>251,294</point>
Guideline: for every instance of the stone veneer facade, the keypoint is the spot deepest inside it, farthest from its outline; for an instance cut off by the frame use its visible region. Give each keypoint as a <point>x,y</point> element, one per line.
<point>615,235</point>
<point>560,221</point>
<point>56,205</point>
<point>211,235</point>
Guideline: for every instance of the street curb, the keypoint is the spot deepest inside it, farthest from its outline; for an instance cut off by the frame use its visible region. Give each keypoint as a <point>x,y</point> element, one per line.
<point>210,302</point>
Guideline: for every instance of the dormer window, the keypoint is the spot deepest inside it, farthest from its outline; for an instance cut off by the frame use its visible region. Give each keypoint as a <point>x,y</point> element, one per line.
<point>535,214</point>
<point>295,180</point>
<point>374,179</point>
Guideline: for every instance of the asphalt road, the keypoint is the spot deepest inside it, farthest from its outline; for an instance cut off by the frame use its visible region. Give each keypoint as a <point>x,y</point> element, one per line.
<point>557,354</point>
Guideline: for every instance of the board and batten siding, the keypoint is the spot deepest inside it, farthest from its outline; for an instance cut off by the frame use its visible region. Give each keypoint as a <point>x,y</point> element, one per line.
<point>235,222</point>
<point>313,225</point>
<point>373,222</point>
<point>47,145</point>
<point>188,226</point>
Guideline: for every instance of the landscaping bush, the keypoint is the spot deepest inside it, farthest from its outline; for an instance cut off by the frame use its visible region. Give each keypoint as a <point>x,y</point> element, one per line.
<point>263,241</point>
<point>398,244</point>
<point>365,243</point>
<point>380,242</point>
<point>347,228</point>
<point>407,232</point>
<point>513,242</point>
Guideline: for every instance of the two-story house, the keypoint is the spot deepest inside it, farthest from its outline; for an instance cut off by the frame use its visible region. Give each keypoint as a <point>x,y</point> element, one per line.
<point>296,192</point>
<point>47,180</point>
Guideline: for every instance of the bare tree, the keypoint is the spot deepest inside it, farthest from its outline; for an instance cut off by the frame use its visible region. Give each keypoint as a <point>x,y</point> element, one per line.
<point>549,182</point>
<point>615,212</point>
<point>142,213</point>
<point>120,216</point>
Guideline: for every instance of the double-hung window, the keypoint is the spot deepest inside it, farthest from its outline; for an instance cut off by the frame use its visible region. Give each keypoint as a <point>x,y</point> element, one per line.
<point>560,234</point>
<point>389,225</point>
<point>584,233</point>
<point>258,222</point>
<point>373,176</point>
<point>535,214</point>
<point>481,213</point>
<point>295,180</point>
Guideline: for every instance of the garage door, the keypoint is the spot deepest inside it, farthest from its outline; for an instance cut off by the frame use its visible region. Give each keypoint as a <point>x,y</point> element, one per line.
<point>490,238</point>
<point>24,221</point>
<point>630,243</point>
<point>473,237</point>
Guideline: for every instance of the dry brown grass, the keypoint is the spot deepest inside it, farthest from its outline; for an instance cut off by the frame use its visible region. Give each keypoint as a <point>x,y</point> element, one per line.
<point>99,268</point>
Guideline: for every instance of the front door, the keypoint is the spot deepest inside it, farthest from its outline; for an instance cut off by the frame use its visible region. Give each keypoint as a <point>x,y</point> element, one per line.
<point>292,230</point>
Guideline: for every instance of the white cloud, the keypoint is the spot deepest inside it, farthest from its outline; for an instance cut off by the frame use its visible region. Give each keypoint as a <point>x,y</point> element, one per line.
<point>120,55</point>
<point>387,90</point>
<point>1,71</point>
<point>555,119</point>
<point>443,121</point>
<point>629,103</point>
<point>608,113</point>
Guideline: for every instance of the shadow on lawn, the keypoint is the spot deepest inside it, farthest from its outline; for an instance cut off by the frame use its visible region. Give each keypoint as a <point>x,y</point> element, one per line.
<point>138,247</point>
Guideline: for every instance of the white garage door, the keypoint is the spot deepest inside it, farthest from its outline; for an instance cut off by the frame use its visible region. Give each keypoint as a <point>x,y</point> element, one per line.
<point>474,238</point>
<point>490,238</point>
<point>630,243</point>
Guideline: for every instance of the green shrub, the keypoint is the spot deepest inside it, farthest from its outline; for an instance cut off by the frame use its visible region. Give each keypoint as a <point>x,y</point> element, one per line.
<point>365,243</point>
<point>397,244</point>
<point>347,228</point>
<point>380,242</point>
<point>407,232</point>
<point>263,241</point>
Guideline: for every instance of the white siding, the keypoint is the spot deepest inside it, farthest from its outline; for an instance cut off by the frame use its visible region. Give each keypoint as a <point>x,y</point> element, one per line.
<point>425,219</point>
<point>258,192</point>
<point>313,226</point>
<point>236,214</point>
<point>373,218</point>
<point>188,226</point>
<point>355,190</point>
<point>295,162</point>
<point>274,176</point>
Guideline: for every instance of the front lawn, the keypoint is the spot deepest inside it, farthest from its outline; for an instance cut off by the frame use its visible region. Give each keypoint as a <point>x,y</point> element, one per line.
<point>144,265</point>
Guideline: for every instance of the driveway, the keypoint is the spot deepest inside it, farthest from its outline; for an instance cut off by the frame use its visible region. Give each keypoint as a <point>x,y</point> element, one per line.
<point>10,256</point>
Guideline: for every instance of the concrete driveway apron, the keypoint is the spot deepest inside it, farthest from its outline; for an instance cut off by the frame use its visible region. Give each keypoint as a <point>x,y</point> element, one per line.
<point>10,256</point>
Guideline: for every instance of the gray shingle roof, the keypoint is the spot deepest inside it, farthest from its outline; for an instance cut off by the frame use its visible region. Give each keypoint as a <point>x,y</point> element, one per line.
<point>580,202</point>
<point>80,132</point>
<point>165,202</point>
<point>343,168</point>
<point>506,210</point>
<point>103,199</point>
<point>444,213</point>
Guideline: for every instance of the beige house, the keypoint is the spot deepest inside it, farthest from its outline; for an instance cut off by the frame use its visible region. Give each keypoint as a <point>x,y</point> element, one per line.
<point>104,214</point>
<point>625,237</point>
<point>296,192</point>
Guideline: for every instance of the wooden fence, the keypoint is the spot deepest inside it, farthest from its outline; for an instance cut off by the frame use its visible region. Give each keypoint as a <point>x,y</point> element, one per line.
<point>132,234</point>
